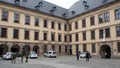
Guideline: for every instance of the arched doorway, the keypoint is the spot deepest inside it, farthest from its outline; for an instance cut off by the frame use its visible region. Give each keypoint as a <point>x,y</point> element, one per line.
<point>26,49</point>
<point>36,48</point>
<point>105,49</point>
<point>3,48</point>
<point>15,48</point>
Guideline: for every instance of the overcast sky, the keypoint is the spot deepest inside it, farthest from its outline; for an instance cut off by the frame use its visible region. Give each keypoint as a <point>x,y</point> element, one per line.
<point>63,3</point>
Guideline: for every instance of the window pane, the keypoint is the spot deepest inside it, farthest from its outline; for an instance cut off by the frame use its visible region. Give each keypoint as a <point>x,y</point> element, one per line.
<point>83,23</point>
<point>92,35</point>
<point>77,37</point>
<point>84,47</point>
<point>76,25</point>
<point>45,36</point>
<point>36,21</point>
<point>93,48</point>
<point>4,15</point>
<point>45,23</point>
<point>26,35</point>
<point>117,14</point>
<point>106,17</point>
<point>36,35</point>
<point>101,19</point>
<point>84,36</point>
<point>59,49</point>
<point>65,27</point>
<point>27,20</point>
<point>59,26</point>
<point>118,46</point>
<point>16,18</point>
<point>53,37</point>
<point>118,31</point>
<point>92,21</point>
<point>59,37</point>
<point>16,34</point>
<point>52,25</point>
<point>107,32</point>
<point>4,32</point>
<point>101,33</point>
<point>70,27</point>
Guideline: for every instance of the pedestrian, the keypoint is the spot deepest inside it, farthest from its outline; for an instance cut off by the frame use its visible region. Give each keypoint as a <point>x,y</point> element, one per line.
<point>78,54</point>
<point>105,54</point>
<point>13,57</point>
<point>26,55</point>
<point>87,56</point>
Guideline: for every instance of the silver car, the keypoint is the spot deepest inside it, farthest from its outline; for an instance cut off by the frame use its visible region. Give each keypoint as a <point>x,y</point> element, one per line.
<point>50,54</point>
<point>33,55</point>
<point>7,55</point>
<point>83,55</point>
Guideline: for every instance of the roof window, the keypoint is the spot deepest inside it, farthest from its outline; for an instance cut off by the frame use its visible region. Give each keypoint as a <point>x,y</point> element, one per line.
<point>72,12</point>
<point>17,2</point>
<point>40,4</point>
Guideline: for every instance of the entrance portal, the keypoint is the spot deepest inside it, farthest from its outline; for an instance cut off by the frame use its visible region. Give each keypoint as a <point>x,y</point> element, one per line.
<point>105,51</point>
<point>36,48</point>
<point>3,48</point>
<point>15,48</point>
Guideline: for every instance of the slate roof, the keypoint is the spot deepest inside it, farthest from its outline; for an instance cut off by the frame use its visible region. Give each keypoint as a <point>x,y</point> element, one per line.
<point>78,8</point>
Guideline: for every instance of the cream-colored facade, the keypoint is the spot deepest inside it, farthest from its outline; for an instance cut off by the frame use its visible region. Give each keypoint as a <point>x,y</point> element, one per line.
<point>10,25</point>
<point>97,46</point>
<point>111,42</point>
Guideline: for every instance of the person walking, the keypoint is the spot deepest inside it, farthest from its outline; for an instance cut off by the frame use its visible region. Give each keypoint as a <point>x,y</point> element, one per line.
<point>106,54</point>
<point>78,54</point>
<point>13,57</point>
<point>87,56</point>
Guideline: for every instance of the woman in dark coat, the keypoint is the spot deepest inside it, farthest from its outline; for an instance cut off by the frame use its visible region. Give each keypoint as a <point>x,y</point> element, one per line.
<point>87,56</point>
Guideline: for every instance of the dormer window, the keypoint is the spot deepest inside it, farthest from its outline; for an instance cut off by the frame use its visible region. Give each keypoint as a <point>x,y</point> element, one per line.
<point>37,7</point>
<point>73,12</point>
<point>17,2</point>
<point>86,6</point>
<point>54,8</point>
<point>84,2</point>
<point>104,1</point>
<point>64,14</point>
<point>52,11</point>
<point>40,4</point>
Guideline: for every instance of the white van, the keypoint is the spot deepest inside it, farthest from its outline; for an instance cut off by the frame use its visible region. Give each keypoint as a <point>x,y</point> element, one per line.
<point>50,54</point>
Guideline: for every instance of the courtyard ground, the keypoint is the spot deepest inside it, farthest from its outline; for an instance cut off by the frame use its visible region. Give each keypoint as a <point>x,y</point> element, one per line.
<point>62,62</point>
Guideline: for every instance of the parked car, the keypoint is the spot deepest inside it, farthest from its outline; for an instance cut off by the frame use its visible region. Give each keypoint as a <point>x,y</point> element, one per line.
<point>7,55</point>
<point>50,54</point>
<point>33,55</point>
<point>83,55</point>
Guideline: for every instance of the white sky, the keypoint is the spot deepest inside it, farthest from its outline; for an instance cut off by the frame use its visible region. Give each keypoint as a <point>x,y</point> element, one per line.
<point>63,3</point>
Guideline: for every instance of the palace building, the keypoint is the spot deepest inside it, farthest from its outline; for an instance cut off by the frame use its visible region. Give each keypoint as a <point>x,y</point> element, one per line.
<point>40,26</point>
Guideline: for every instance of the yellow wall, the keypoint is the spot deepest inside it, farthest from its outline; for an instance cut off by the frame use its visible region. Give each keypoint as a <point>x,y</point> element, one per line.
<point>112,25</point>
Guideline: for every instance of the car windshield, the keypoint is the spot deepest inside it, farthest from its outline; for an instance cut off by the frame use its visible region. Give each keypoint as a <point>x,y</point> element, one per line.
<point>49,52</point>
<point>33,53</point>
<point>54,52</point>
<point>83,53</point>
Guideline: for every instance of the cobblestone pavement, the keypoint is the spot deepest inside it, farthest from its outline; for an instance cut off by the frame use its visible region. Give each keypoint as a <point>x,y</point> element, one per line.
<point>95,63</point>
<point>62,62</point>
<point>18,64</point>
